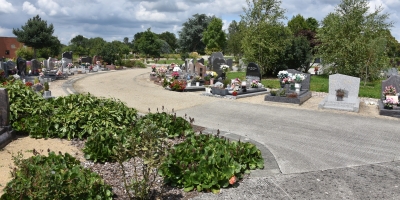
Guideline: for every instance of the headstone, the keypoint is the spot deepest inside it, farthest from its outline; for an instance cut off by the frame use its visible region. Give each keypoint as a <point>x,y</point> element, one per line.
<point>350,85</point>
<point>86,60</point>
<point>201,60</point>
<point>10,66</point>
<point>216,65</point>
<point>50,64</point>
<point>394,81</point>
<point>35,66</point>
<point>229,62</point>
<point>4,108</point>
<point>214,56</point>
<point>253,71</point>
<point>392,72</point>
<point>67,55</point>
<point>21,67</point>
<point>191,66</point>
<point>200,69</point>
<point>305,84</point>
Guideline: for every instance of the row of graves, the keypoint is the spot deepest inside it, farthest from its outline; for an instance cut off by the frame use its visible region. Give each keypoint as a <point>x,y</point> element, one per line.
<point>39,74</point>
<point>194,76</point>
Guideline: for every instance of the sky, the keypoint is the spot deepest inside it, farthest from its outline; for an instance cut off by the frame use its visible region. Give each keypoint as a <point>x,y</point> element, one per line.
<point>117,19</point>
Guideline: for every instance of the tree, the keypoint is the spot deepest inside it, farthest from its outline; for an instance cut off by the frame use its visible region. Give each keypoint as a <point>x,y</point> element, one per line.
<point>264,37</point>
<point>298,54</point>
<point>80,45</point>
<point>149,44</point>
<point>234,39</point>
<point>36,34</point>
<point>297,24</point>
<point>52,51</point>
<point>352,40</point>
<point>214,37</point>
<point>95,45</point>
<point>192,32</point>
<point>312,24</point>
<point>24,52</point>
<point>171,40</point>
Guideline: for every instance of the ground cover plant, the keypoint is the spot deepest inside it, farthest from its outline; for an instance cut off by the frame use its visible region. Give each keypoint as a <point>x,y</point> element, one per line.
<point>54,177</point>
<point>208,162</point>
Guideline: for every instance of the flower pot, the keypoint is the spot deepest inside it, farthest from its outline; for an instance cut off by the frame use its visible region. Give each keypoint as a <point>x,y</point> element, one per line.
<point>297,86</point>
<point>339,97</point>
<point>188,84</point>
<point>197,84</point>
<point>234,93</point>
<point>208,90</point>
<point>212,81</point>
<point>206,82</point>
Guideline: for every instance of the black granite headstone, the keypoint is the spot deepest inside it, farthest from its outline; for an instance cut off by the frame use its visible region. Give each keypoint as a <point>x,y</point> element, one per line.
<point>86,60</point>
<point>217,65</point>
<point>253,70</point>
<point>21,66</point>
<point>201,60</point>
<point>229,62</point>
<point>35,66</point>
<point>67,55</point>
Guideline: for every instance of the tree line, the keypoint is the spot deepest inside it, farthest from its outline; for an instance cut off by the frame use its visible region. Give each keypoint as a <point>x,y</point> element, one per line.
<point>351,40</point>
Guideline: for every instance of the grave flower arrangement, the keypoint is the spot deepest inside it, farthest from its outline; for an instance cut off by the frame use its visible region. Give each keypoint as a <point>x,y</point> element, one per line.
<point>255,84</point>
<point>161,72</point>
<point>197,78</point>
<point>212,74</point>
<point>298,78</point>
<point>153,68</point>
<point>287,80</point>
<point>175,75</point>
<point>71,65</point>
<point>178,85</point>
<point>389,91</point>
<point>283,74</point>
<point>224,68</point>
<point>207,77</point>
<point>388,103</point>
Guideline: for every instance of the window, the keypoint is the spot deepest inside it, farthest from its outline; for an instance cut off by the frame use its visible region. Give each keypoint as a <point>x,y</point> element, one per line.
<point>13,46</point>
<point>7,52</point>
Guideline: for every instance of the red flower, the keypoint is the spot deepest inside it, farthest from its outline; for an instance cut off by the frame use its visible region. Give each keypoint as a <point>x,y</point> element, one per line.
<point>232,180</point>
<point>29,84</point>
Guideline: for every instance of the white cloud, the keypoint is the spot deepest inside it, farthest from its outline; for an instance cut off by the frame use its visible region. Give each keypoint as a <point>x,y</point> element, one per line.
<point>6,7</point>
<point>31,9</point>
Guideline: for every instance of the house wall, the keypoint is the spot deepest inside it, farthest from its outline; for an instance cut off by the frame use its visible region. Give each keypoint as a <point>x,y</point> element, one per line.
<point>8,46</point>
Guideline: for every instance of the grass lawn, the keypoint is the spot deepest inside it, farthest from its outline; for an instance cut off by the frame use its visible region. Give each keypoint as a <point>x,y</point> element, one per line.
<point>319,84</point>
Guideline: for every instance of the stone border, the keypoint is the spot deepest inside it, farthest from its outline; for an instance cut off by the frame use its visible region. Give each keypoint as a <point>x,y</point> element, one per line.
<point>300,99</point>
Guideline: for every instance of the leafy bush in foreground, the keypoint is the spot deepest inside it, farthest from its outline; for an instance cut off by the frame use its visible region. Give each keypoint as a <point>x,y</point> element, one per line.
<point>54,177</point>
<point>175,126</point>
<point>207,162</point>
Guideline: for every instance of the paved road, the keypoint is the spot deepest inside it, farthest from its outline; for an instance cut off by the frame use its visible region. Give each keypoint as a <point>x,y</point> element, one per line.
<point>322,155</point>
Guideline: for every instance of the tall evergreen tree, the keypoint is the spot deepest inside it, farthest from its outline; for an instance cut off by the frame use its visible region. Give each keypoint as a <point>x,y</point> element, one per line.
<point>36,34</point>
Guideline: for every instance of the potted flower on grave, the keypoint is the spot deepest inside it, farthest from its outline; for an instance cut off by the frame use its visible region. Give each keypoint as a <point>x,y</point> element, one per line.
<point>234,93</point>
<point>340,94</point>
<point>283,77</point>
<point>388,103</point>
<point>47,92</point>
<point>175,75</point>
<point>316,68</point>
<point>236,83</point>
<point>178,85</point>
<point>254,84</point>
<point>207,79</point>
<point>298,78</point>
<point>390,92</point>
<point>197,80</point>
<point>153,68</point>
<point>212,75</point>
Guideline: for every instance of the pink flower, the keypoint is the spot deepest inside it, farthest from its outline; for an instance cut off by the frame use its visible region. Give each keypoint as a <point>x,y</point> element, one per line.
<point>232,180</point>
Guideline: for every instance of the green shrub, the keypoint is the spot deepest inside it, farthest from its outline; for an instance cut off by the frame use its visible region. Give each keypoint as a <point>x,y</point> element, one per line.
<point>175,126</point>
<point>100,146</point>
<point>139,64</point>
<point>207,162</point>
<point>54,177</point>
<point>149,147</point>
